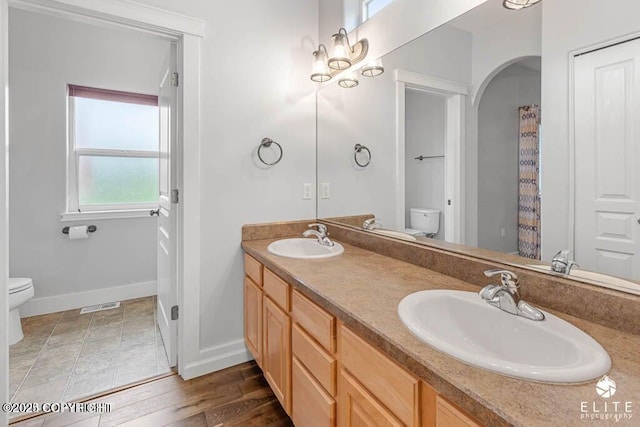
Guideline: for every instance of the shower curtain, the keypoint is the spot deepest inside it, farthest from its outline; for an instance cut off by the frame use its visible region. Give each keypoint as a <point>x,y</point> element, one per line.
<point>529,194</point>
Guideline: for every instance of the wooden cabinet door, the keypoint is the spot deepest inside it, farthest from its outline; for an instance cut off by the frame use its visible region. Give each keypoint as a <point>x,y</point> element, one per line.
<point>276,352</point>
<point>360,409</point>
<point>253,319</point>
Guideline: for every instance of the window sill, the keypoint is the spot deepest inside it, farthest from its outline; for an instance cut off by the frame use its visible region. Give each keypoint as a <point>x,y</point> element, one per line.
<point>96,215</point>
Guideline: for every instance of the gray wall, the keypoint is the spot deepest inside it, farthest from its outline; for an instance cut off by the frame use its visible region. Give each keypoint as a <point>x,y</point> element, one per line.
<point>46,54</point>
<point>498,125</point>
<point>425,122</point>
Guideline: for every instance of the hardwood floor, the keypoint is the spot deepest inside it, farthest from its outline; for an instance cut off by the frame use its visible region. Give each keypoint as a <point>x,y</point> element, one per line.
<point>237,396</point>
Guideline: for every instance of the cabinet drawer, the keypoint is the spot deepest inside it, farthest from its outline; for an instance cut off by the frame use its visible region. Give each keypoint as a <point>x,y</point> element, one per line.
<point>319,363</point>
<point>448,415</point>
<point>316,322</point>
<point>253,269</point>
<point>311,405</point>
<point>277,289</point>
<point>388,382</point>
<point>359,408</point>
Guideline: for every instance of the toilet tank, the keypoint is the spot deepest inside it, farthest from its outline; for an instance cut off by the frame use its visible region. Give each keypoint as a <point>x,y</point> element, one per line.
<point>425,220</point>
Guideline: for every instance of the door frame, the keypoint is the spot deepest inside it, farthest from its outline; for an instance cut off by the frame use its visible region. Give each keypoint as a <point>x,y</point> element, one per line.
<point>571,220</point>
<point>187,32</point>
<point>455,95</point>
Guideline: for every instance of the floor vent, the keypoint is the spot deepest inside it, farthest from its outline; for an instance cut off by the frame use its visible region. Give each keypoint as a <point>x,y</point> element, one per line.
<point>100,307</point>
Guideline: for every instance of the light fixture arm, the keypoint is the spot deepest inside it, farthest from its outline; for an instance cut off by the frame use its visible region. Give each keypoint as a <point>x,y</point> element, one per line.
<point>323,48</point>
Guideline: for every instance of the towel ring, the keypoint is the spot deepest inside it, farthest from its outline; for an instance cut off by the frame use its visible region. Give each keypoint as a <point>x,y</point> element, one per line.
<point>90,229</point>
<point>358,148</point>
<point>266,142</point>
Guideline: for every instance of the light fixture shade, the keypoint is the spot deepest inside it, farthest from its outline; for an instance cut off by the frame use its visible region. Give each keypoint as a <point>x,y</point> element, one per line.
<point>373,68</point>
<point>518,4</point>
<point>348,81</point>
<point>340,58</point>
<point>321,72</point>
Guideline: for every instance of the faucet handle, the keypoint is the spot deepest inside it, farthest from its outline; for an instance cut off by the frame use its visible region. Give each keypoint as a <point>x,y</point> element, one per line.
<point>370,224</point>
<point>321,227</point>
<point>507,278</point>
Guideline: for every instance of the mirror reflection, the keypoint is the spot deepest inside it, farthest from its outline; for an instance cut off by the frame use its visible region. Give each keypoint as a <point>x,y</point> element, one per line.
<point>456,148</point>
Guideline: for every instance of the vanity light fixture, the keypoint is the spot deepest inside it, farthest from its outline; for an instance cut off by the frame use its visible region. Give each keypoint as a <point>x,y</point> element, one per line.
<point>373,68</point>
<point>518,4</point>
<point>321,72</point>
<point>342,57</point>
<point>349,80</point>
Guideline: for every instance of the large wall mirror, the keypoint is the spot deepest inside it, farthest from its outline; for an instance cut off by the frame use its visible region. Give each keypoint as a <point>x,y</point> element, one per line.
<point>499,134</point>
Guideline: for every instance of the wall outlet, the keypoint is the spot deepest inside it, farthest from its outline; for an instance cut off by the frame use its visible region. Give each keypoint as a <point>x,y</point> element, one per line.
<point>306,191</point>
<point>325,190</point>
<point>503,232</point>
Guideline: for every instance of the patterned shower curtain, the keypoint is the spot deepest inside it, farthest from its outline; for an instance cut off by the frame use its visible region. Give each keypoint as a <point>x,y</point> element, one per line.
<point>529,194</point>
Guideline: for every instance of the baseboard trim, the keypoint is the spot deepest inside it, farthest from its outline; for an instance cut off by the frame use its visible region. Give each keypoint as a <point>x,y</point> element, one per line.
<point>64,302</point>
<point>216,358</point>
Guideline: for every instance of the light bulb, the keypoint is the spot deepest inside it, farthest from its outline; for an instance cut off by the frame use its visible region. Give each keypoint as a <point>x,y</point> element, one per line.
<point>340,58</point>
<point>348,81</point>
<point>321,72</point>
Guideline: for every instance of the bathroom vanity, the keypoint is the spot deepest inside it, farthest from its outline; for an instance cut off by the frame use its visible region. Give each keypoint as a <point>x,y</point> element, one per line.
<point>329,340</point>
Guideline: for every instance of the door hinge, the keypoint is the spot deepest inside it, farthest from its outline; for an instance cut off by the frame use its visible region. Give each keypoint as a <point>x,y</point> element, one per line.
<point>175,79</point>
<point>174,312</point>
<point>175,195</point>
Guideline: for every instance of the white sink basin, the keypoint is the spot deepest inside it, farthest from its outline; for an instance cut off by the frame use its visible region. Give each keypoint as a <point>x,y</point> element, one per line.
<point>464,326</point>
<point>305,248</point>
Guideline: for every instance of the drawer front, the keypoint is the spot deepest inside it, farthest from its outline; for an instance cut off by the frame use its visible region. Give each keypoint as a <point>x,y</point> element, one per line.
<point>317,322</point>
<point>388,382</point>
<point>277,289</point>
<point>253,269</point>
<point>316,360</point>
<point>311,406</point>
<point>359,408</point>
<point>448,415</point>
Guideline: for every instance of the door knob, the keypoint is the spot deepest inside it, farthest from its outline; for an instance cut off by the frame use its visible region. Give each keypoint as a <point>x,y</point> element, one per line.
<point>155,212</point>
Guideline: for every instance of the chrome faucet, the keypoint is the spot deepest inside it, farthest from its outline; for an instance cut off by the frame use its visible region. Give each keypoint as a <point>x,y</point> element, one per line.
<point>561,262</point>
<point>371,224</point>
<point>506,296</point>
<point>321,234</point>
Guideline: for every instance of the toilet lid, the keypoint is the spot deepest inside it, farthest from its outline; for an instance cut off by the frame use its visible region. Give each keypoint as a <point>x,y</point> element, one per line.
<point>17,284</point>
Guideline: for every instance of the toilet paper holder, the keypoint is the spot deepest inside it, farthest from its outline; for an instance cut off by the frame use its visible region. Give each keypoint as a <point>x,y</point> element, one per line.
<point>90,229</point>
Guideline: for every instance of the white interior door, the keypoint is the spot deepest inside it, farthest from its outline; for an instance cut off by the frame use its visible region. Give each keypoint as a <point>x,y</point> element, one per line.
<point>167,276</point>
<point>607,159</point>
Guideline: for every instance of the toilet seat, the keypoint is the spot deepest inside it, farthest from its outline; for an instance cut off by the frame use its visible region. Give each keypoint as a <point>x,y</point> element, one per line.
<point>414,232</point>
<point>19,284</point>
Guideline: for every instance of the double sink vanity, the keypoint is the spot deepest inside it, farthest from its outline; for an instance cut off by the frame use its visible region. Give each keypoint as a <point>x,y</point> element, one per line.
<point>377,331</point>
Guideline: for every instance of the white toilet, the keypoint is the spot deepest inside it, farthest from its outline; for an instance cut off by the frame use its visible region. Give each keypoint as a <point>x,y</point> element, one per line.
<point>423,222</point>
<point>20,291</point>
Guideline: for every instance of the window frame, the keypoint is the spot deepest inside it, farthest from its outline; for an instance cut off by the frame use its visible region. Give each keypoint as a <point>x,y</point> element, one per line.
<point>364,9</point>
<point>74,153</point>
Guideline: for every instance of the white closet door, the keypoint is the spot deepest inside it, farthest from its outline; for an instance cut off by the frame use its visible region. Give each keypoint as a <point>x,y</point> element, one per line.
<point>607,158</point>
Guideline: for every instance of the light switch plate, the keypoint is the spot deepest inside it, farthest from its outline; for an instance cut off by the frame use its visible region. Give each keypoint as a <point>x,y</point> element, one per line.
<point>325,190</point>
<point>306,191</point>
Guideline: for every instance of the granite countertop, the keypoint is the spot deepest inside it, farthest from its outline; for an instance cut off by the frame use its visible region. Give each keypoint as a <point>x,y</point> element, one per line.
<point>363,289</point>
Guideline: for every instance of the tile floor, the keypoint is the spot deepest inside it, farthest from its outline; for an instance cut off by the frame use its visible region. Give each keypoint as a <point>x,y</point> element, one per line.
<point>66,356</point>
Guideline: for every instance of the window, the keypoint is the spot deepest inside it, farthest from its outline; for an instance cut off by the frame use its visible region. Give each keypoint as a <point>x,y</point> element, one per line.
<point>113,150</point>
<point>371,7</point>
